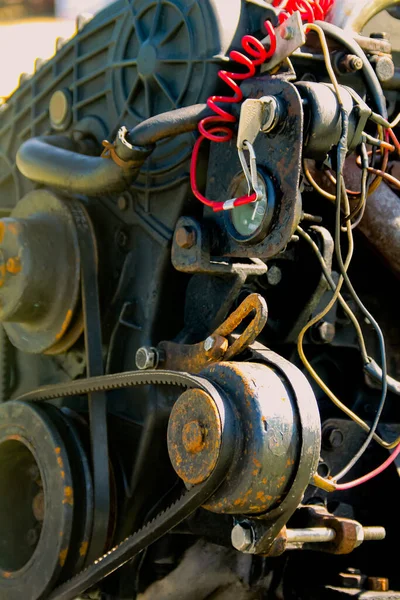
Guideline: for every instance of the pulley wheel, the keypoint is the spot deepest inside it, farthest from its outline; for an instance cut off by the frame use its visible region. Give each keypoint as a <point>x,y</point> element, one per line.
<point>39,272</point>
<point>41,467</point>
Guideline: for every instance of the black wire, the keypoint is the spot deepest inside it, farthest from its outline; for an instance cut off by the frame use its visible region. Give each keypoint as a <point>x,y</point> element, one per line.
<point>340,192</point>
<point>368,72</point>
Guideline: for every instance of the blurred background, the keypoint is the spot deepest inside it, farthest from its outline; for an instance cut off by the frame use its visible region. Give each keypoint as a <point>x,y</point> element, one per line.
<point>29,28</point>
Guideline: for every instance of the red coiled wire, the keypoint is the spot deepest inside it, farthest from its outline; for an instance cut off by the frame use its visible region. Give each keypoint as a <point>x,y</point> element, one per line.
<point>310,10</point>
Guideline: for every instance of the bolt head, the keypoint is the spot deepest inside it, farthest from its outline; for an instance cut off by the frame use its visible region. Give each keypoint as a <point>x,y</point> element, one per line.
<point>333,438</point>
<point>242,538</point>
<point>274,275</point>
<point>146,358</point>
<point>209,344</point>
<point>185,237</point>
<point>326,332</point>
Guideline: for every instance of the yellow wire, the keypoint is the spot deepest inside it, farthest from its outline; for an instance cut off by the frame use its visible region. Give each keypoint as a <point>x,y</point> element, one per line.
<point>395,122</point>
<point>321,315</point>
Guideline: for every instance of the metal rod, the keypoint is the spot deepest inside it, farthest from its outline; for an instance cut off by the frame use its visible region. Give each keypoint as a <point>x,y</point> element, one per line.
<point>310,534</point>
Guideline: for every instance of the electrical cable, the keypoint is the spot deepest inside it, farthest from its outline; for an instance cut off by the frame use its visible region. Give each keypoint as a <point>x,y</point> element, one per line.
<point>341,189</point>
<point>332,285</point>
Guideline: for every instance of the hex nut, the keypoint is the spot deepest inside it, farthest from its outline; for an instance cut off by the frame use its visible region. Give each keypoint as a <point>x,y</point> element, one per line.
<point>146,358</point>
<point>209,344</point>
<point>185,237</point>
<point>242,538</point>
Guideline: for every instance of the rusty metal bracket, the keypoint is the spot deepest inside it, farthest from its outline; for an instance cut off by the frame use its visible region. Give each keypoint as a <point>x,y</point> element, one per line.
<point>193,358</point>
<point>191,253</point>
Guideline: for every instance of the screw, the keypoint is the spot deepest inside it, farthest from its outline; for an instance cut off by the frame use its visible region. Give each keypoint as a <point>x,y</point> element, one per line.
<point>185,237</point>
<point>333,438</point>
<point>274,275</point>
<point>378,584</point>
<point>242,538</point>
<point>193,437</point>
<point>146,358</point>
<point>209,344</point>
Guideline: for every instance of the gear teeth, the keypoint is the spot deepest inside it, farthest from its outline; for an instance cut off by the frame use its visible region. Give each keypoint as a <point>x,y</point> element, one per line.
<point>60,42</point>
<point>82,20</point>
<point>39,63</point>
<point>24,77</point>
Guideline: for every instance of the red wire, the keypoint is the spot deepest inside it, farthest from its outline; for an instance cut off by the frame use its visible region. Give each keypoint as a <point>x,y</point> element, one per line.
<point>372,474</point>
<point>309,10</point>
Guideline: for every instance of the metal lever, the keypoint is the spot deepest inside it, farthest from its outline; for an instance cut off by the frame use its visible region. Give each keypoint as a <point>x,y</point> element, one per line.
<point>193,358</point>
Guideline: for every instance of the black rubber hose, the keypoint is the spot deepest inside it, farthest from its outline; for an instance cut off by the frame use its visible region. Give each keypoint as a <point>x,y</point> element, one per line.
<point>168,124</point>
<point>52,161</point>
<point>372,81</point>
<point>40,160</point>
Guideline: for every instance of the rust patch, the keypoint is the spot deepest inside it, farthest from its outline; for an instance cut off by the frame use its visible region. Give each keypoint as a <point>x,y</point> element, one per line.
<point>7,574</point>
<point>68,495</point>
<point>13,228</point>
<point>2,231</point>
<point>14,265</point>
<point>281,481</point>
<point>84,548</point>
<point>62,557</point>
<point>257,463</point>
<point>64,326</point>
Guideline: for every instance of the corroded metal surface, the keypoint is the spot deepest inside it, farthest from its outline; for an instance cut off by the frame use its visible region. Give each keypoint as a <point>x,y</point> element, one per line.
<point>194,436</point>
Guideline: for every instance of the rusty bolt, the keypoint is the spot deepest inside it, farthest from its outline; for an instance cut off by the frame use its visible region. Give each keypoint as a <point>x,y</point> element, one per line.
<point>242,538</point>
<point>146,358</point>
<point>38,506</point>
<point>333,438</point>
<point>185,237</point>
<point>193,437</point>
<point>378,584</point>
<point>209,344</point>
